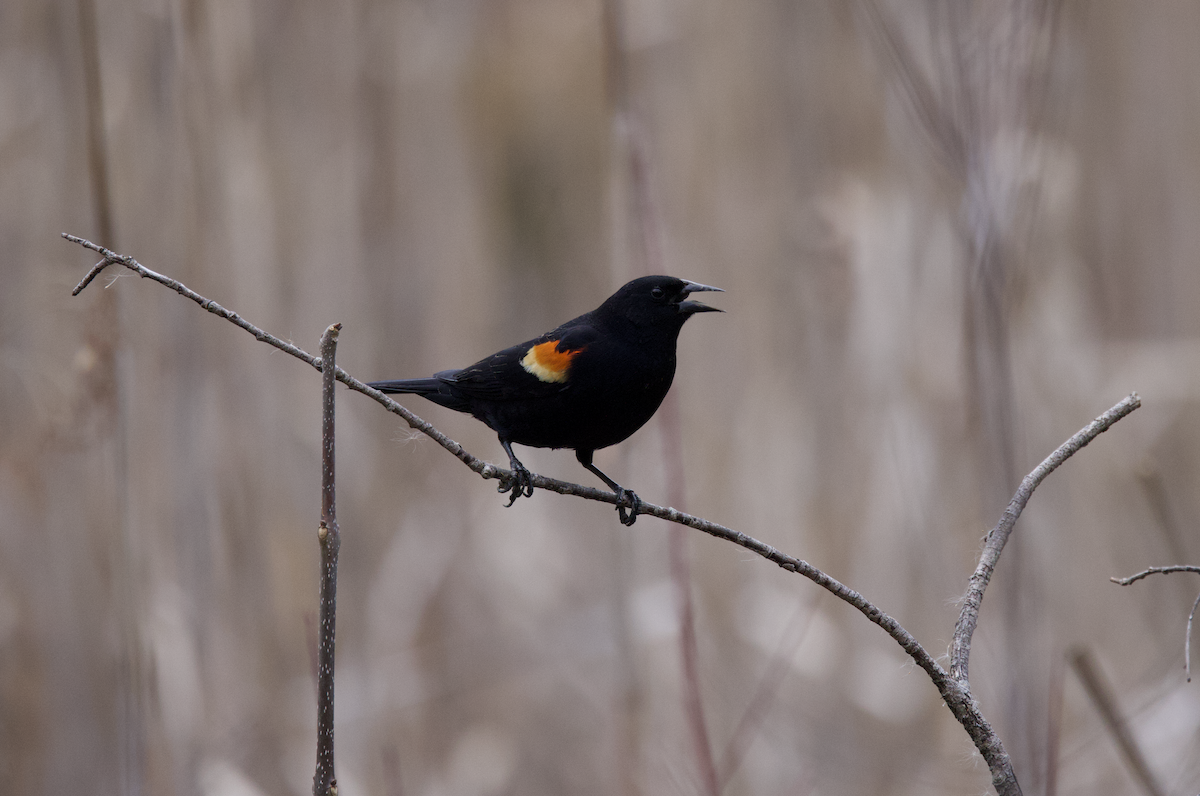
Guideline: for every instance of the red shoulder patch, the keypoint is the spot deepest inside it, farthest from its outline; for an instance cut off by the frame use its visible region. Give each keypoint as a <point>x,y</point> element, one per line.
<point>548,363</point>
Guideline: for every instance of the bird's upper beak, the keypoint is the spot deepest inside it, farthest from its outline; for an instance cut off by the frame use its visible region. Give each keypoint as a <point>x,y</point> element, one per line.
<point>689,307</point>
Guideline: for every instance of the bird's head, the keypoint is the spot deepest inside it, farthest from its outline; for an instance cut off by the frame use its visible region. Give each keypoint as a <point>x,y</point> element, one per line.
<point>659,300</point>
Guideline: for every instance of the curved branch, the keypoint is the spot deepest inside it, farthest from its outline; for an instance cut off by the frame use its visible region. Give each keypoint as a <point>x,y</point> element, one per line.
<point>1154,571</point>
<point>998,536</point>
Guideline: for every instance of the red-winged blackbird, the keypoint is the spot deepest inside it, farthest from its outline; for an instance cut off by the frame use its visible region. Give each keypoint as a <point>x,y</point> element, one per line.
<point>588,384</point>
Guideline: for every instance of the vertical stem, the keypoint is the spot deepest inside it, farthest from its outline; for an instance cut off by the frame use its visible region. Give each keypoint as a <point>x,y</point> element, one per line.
<point>94,99</point>
<point>324,783</point>
<point>1101,693</point>
<point>1187,640</point>
<point>648,234</point>
<point>1054,724</point>
<point>681,576</point>
<point>103,390</point>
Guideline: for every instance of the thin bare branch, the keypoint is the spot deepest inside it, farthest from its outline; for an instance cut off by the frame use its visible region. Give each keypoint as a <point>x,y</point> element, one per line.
<point>1187,636</point>
<point>330,538</point>
<point>1154,571</point>
<point>998,537</point>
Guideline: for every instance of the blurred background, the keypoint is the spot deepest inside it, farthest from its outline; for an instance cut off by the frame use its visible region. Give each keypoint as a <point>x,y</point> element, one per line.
<point>950,236</point>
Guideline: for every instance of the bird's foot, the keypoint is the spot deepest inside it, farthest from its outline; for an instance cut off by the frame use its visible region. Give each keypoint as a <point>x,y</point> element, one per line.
<point>628,513</point>
<point>519,485</point>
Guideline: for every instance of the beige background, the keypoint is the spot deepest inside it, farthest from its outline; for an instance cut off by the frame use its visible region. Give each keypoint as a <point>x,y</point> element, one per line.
<point>445,178</point>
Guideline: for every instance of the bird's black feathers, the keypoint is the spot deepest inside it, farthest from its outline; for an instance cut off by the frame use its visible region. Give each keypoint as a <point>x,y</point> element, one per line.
<point>586,385</point>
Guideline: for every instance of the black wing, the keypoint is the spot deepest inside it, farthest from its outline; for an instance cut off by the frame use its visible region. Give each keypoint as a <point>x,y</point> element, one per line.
<point>511,374</point>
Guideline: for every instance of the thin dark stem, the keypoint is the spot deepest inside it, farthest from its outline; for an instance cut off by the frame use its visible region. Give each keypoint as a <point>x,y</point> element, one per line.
<point>102,389</point>
<point>645,220</point>
<point>1187,640</point>
<point>94,96</point>
<point>328,480</point>
<point>1054,702</point>
<point>616,80</point>
<point>764,694</point>
<point>998,537</point>
<point>1101,694</point>
<point>923,100</point>
<point>331,541</point>
<point>680,567</point>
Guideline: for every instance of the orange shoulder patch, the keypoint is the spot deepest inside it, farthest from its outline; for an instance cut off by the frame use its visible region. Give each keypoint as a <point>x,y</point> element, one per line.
<point>548,363</point>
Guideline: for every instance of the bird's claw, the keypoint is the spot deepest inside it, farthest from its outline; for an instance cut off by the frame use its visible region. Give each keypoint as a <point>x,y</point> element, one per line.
<point>519,485</point>
<point>628,514</point>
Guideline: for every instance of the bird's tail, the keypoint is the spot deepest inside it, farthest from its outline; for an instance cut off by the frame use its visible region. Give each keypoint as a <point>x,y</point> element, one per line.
<point>437,389</point>
<point>414,386</point>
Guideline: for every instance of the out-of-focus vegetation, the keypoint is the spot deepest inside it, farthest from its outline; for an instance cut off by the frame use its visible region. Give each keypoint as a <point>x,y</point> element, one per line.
<point>445,178</point>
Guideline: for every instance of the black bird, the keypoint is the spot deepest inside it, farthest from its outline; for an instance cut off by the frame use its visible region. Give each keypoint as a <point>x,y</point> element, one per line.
<point>588,384</point>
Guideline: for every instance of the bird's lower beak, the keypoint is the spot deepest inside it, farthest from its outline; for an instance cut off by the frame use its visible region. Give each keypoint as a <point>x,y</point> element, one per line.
<point>692,307</point>
<point>689,307</point>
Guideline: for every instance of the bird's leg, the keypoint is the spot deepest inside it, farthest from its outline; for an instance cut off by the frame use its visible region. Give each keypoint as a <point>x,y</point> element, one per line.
<point>521,484</point>
<point>627,514</point>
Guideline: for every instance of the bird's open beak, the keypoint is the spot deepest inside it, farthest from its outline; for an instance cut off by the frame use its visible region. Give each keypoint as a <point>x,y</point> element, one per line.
<point>689,307</point>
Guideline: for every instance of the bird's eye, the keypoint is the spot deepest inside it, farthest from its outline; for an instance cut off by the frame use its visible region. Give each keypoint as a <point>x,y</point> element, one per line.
<point>658,292</point>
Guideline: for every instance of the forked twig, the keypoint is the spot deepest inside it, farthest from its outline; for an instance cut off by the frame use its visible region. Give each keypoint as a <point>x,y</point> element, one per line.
<point>1187,636</point>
